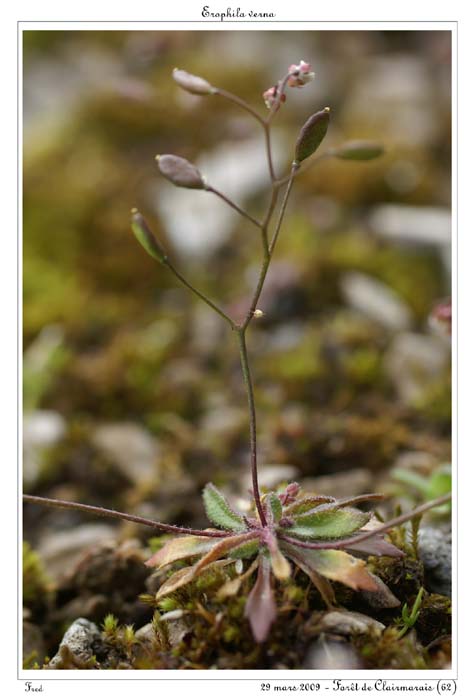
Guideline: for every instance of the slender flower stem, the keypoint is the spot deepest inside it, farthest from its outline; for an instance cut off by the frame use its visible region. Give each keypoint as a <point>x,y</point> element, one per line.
<point>368,534</point>
<point>106,513</point>
<point>305,167</point>
<point>241,103</point>
<point>269,156</point>
<point>234,206</point>
<point>251,403</point>
<point>199,294</point>
<point>294,170</point>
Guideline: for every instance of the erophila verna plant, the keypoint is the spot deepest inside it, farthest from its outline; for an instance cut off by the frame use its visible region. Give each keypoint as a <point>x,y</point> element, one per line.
<point>284,527</point>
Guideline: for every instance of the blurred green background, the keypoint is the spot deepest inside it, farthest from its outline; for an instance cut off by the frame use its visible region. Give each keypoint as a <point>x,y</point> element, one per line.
<point>133,394</point>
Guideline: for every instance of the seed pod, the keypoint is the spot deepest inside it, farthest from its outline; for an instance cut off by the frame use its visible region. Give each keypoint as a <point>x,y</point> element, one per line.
<point>146,238</point>
<point>192,83</point>
<point>311,135</point>
<point>181,172</point>
<point>359,150</point>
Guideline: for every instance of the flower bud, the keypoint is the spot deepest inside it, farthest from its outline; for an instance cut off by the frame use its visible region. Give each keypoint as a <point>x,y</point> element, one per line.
<point>311,135</point>
<point>146,238</point>
<point>181,172</point>
<point>359,150</point>
<point>440,317</point>
<point>300,74</point>
<point>270,95</point>
<point>192,83</point>
<point>257,313</point>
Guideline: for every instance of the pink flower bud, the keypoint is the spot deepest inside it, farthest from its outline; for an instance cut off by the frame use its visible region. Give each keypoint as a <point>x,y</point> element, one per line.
<point>270,96</point>
<point>300,75</point>
<point>290,493</point>
<point>440,317</point>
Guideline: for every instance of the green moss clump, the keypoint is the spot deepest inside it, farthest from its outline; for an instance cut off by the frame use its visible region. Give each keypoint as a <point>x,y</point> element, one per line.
<point>36,585</point>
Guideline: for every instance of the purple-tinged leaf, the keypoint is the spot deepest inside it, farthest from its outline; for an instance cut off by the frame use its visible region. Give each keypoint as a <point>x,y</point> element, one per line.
<point>260,607</point>
<point>184,576</point>
<point>180,548</point>
<point>335,565</point>
<point>360,499</point>
<point>377,546</point>
<point>382,597</point>
<point>223,547</point>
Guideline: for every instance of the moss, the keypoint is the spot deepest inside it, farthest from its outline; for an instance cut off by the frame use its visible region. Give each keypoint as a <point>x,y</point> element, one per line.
<point>434,620</point>
<point>37,588</point>
<point>390,652</point>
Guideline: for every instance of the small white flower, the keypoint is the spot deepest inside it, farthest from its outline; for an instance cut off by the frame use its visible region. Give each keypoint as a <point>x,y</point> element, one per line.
<point>301,74</point>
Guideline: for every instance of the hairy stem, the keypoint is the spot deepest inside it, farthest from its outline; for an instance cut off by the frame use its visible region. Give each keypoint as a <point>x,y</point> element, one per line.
<point>106,513</point>
<point>368,534</point>
<point>252,410</point>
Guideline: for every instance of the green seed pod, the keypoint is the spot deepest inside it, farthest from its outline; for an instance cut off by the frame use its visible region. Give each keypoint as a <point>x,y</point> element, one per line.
<point>146,238</point>
<point>359,150</point>
<point>311,135</point>
<point>192,83</point>
<point>181,172</point>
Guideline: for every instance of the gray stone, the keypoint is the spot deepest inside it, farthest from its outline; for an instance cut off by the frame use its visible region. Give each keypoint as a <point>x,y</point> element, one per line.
<point>375,300</point>
<point>271,475</point>
<point>348,623</point>
<point>411,224</point>
<point>77,646</point>
<point>61,551</point>
<point>131,447</point>
<point>413,361</point>
<point>41,431</point>
<point>341,485</point>
<point>329,653</point>
<point>434,548</point>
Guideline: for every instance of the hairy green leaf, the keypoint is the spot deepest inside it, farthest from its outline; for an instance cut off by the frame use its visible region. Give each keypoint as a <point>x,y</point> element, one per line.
<point>331,523</point>
<point>273,506</point>
<point>245,551</point>
<point>219,511</point>
<point>307,503</point>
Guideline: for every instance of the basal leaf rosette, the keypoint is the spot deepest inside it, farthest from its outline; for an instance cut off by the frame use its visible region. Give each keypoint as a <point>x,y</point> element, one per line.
<point>313,532</point>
